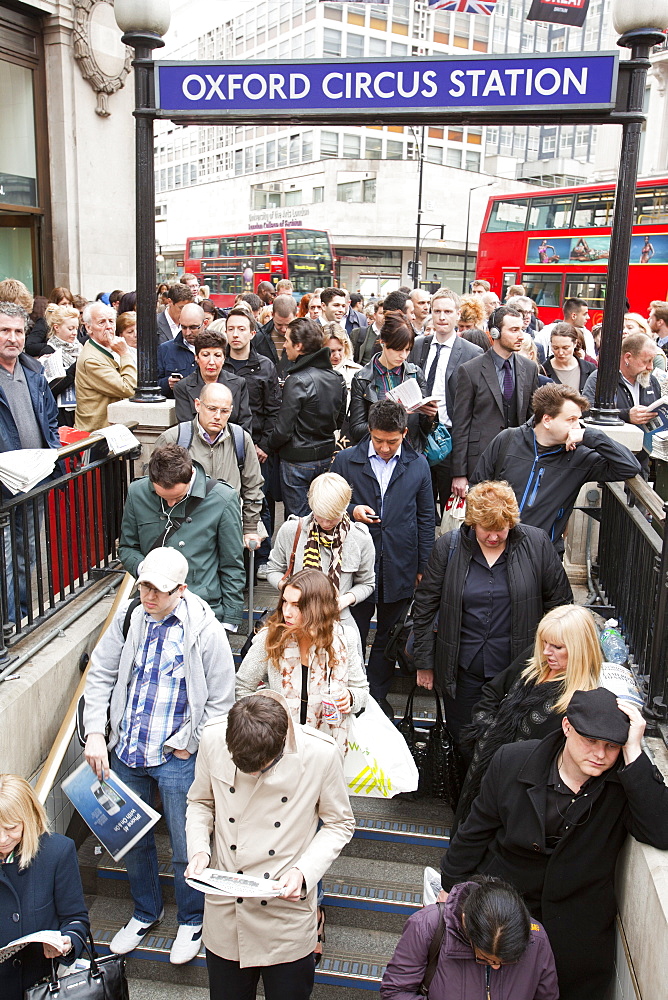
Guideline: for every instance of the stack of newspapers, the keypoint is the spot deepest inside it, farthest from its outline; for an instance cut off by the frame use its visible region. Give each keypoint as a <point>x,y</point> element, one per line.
<point>21,470</point>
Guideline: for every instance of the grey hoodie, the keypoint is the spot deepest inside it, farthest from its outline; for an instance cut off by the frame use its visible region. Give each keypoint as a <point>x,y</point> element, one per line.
<point>208,664</point>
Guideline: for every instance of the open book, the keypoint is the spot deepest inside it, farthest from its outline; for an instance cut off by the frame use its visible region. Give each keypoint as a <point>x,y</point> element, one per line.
<point>409,394</point>
<point>660,421</point>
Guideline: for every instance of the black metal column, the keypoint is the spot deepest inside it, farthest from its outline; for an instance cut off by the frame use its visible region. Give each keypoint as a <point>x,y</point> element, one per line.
<point>630,101</point>
<point>148,390</point>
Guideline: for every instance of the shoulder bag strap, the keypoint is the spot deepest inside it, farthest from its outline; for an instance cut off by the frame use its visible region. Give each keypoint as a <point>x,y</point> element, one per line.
<point>303,702</point>
<point>433,953</point>
<point>291,564</point>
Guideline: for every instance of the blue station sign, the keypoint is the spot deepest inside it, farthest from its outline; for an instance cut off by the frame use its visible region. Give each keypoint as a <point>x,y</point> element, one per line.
<point>294,89</point>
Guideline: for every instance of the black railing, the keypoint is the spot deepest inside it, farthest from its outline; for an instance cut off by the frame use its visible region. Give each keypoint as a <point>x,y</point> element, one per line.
<point>57,539</point>
<point>633,573</point>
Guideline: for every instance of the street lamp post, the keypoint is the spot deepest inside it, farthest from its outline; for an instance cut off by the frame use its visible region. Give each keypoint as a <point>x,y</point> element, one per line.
<point>416,255</point>
<point>468,224</point>
<point>143,22</point>
<point>631,19</point>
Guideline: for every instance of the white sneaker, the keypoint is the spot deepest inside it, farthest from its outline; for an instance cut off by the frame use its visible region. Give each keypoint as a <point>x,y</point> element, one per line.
<point>132,935</point>
<point>262,571</point>
<point>187,944</point>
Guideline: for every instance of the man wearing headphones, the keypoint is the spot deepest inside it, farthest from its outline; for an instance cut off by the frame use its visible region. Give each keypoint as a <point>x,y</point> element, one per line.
<point>493,392</point>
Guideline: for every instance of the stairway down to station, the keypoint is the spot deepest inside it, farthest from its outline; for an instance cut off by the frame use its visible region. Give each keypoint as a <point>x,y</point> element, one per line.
<point>370,890</point>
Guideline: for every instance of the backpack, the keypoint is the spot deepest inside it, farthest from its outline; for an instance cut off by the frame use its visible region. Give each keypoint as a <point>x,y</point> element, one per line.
<point>186,432</point>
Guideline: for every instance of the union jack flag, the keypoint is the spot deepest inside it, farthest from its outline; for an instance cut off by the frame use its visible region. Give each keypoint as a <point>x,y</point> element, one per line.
<point>464,6</point>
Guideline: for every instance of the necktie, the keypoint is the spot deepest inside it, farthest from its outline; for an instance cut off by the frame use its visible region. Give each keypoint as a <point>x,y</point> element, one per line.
<point>507,381</point>
<point>432,371</point>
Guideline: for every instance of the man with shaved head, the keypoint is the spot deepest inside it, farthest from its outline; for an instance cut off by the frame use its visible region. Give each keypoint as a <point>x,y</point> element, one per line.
<point>176,358</point>
<point>225,451</point>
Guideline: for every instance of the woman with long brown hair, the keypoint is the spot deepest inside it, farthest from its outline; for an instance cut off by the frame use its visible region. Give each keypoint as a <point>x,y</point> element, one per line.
<point>305,653</point>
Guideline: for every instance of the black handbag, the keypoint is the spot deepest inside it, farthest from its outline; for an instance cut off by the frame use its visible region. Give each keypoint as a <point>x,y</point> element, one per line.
<point>434,753</point>
<point>104,980</point>
<point>397,641</point>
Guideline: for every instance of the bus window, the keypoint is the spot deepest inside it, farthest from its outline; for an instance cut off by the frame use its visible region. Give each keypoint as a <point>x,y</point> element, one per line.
<point>211,248</point>
<point>544,289</point>
<point>244,246</point>
<point>551,213</point>
<point>590,287</point>
<point>308,241</point>
<point>651,207</point>
<point>260,245</point>
<point>276,244</point>
<point>196,249</point>
<point>227,247</point>
<point>508,216</point>
<point>592,209</point>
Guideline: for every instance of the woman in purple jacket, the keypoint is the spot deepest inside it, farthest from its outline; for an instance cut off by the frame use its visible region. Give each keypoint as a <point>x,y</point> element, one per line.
<point>490,949</point>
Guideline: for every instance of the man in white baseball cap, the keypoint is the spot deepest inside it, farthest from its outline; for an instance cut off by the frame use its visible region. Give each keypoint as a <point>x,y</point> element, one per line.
<point>160,671</point>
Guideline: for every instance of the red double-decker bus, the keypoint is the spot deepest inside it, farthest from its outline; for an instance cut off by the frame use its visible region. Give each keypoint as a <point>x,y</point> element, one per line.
<point>557,243</point>
<point>238,262</point>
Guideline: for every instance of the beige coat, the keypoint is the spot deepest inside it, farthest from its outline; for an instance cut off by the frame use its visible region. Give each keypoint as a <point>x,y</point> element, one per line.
<point>99,381</point>
<point>265,826</point>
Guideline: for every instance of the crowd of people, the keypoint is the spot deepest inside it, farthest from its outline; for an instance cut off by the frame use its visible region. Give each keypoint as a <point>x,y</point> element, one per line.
<point>280,400</point>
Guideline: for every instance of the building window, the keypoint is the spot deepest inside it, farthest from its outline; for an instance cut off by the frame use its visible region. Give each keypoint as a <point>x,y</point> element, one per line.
<point>271,154</point>
<point>377,46</point>
<point>352,146</point>
<point>472,160</point>
<point>395,150</point>
<point>238,162</point>
<point>307,146</point>
<point>435,154</point>
<point>357,191</point>
<point>295,144</point>
<point>331,42</point>
<point>355,46</point>
<point>248,159</point>
<point>369,190</point>
<point>398,49</point>
<point>259,157</point>
<point>329,144</point>
<point>318,195</point>
<point>309,43</point>
<point>293,198</point>
<point>373,148</point>
<point>282,158</point>
<point>453,158</point>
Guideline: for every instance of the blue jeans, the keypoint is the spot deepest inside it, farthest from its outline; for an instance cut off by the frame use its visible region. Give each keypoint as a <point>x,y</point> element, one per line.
<point>296,477</point>
<point>172,779</point>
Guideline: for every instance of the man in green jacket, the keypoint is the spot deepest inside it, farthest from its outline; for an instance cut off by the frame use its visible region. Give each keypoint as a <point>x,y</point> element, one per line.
<point>179,506</point>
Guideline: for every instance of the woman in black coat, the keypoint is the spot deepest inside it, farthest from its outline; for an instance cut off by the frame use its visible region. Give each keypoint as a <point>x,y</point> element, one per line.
<point>565,360</point>
<point>385,371</point>
<point>40,889</point>
<point>490,583</point>
<point>528,700</point>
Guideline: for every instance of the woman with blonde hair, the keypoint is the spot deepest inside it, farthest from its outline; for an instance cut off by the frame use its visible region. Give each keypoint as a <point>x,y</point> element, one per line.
<point>528,700</point>
<point>40,889</point>
<point>329,540</point>
<point>60,366</point>
<point>306,655</point>
<point>490,582</point>
<point>635,323</point>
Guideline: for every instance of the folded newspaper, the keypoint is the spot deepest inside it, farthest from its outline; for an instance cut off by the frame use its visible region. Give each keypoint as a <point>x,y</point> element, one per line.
<point>231,884</point>
<point>54,938</point>
<point>119,438</point>
<point>21,470</point>
<point>409,394</point>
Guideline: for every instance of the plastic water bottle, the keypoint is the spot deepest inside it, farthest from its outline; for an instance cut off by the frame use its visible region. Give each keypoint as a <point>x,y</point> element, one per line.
<point>612,643</point>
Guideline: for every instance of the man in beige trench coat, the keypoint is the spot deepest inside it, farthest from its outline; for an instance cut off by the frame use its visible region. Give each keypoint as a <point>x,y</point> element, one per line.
<point>261,786</point>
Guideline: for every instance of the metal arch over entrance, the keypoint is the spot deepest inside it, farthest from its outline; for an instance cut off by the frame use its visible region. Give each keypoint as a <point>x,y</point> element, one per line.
<point>542,88</point>
<point>526,90</point>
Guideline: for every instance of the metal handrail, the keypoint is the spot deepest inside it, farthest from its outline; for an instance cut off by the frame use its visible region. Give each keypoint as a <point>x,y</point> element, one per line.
<point>62,741</point>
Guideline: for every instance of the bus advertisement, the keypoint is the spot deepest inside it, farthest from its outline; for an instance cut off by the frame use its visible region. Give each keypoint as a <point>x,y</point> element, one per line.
<point>557,243</point>
<point>232,264</point>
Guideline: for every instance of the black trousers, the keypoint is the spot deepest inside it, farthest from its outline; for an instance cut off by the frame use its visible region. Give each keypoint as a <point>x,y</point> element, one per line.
<point>441,482</point>
<point>380,670</point>
<point>288,981</point>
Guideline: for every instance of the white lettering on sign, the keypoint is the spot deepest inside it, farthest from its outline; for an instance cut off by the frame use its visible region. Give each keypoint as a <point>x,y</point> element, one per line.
<point>467,85</point>
<point>517,82</point>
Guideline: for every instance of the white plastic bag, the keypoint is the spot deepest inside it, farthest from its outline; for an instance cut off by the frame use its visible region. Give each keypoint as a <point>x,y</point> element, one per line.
<point>453,515</point>
<point>378,762</point>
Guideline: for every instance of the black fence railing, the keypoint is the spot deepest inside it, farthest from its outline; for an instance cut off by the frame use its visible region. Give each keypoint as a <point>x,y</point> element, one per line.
<point>55,540</point>
<point>633,573</point>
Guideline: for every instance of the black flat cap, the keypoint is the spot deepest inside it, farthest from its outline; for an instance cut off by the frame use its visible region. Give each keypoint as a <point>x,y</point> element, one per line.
<point>595,714</point>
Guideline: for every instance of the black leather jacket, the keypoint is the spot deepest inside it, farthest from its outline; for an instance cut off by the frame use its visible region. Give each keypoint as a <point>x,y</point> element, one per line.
<point>264,394</point>
<point>363,395</point>
<point>313,407</point>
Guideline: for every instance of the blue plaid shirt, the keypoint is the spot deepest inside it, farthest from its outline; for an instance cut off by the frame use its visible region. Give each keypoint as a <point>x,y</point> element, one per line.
<point>157,705</point>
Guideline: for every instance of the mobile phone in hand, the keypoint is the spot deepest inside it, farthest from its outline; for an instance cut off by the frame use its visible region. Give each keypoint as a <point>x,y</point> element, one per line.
<point>176,375</point>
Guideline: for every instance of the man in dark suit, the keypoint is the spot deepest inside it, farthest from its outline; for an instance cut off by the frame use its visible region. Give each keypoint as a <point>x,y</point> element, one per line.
<point>169,321</point>
<point>177,357</point>
<point>439,355</point>
<point>493,392</point>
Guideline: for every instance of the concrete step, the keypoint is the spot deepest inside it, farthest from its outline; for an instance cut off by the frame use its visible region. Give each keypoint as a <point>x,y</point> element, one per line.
<point>354,957</point>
